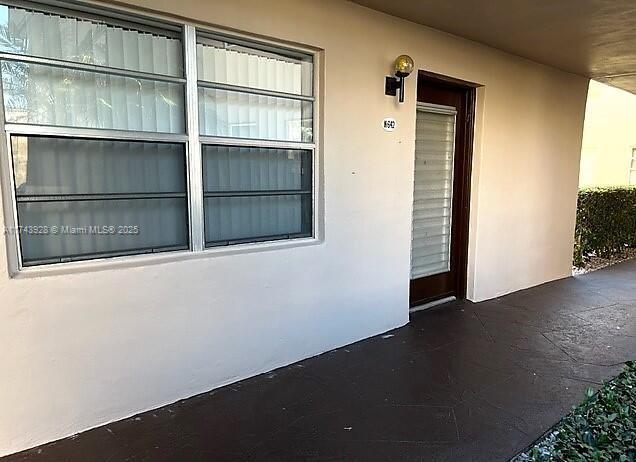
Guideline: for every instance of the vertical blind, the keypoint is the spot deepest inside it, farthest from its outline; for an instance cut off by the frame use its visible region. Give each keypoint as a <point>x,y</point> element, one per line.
<point>257,192</point>
<point>242,113</point>
<point>78,197</point>
<point>136,187</point>
<point>75,39</point>
<point>433,193</point>
<point>46,95</point>
<point>227,63</point>
<point>245,115</point>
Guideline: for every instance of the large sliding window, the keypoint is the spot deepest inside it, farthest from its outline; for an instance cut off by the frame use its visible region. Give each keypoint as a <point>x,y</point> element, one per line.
<point>130,135</point>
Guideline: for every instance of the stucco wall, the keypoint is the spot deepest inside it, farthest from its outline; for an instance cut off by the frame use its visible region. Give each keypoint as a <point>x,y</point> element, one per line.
<point>608,137</point>
<point>82,349</point>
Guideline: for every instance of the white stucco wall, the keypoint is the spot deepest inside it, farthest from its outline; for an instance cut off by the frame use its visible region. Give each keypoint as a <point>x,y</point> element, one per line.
<point>78,350</point>
<point>608,137</point>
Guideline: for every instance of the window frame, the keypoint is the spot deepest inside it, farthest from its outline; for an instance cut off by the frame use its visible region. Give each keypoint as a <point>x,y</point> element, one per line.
<point>302,192</point>
<point>98,196</point>
<point>192,139</point>
<point>632,167</point>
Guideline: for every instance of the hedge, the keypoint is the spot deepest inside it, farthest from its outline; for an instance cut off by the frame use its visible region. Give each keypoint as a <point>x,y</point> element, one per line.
<point>602,429</point>
<point>605,222</point>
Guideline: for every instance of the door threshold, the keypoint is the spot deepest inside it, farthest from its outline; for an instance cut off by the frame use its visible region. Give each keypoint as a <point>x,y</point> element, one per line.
<point>432,304</point>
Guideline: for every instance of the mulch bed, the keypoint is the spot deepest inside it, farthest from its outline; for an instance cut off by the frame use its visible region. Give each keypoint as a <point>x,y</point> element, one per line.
<point>597,263</point>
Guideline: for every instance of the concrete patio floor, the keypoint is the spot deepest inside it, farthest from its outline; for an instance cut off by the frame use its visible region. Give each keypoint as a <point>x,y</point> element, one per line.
<point>463,382</point>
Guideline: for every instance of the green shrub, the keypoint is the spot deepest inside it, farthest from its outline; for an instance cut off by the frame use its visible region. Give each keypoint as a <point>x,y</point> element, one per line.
<point>605,223</point>
<point>601,429</point>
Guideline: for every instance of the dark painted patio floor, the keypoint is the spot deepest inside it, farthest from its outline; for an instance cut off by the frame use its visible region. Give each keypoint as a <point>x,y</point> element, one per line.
<point>465,382</point>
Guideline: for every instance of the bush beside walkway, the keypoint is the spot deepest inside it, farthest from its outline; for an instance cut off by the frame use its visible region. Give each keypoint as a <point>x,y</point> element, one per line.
<point>605,223</point>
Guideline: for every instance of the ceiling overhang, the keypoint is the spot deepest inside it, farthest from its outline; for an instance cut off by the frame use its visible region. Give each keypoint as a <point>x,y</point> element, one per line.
<point>593,38</point>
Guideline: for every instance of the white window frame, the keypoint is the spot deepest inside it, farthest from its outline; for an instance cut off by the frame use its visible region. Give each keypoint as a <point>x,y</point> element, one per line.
<point>192,139</point>
<point>632,167</point>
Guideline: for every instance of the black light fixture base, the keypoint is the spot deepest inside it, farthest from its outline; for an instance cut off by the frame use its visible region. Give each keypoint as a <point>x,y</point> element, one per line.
<point>391,86</point>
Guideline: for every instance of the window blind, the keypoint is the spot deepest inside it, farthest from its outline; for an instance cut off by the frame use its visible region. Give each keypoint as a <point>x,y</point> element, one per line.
<point>78,197</point>
<point>256,194</point>
<point>223,62</point>
<point>255,191</point>
<point>54,92</point>
<point>88,41</point>
<point>433,193</point>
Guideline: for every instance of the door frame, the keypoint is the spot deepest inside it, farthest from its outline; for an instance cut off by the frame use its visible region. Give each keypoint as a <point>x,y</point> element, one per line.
<point>465,158</point>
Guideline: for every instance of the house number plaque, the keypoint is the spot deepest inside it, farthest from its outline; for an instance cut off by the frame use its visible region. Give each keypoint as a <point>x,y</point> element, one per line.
<point>389,124</point>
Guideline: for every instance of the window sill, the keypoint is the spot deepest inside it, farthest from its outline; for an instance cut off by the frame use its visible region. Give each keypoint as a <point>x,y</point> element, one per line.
<point>136,261</point>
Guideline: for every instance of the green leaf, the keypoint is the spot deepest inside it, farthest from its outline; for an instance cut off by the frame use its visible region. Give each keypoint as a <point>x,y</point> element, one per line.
<point>602,428</point>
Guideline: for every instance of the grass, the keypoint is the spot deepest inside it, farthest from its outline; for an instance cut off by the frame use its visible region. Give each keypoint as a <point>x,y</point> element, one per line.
<point>601,429</point>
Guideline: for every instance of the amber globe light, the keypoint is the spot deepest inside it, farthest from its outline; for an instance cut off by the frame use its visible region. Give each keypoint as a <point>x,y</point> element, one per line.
<point>403,65</point>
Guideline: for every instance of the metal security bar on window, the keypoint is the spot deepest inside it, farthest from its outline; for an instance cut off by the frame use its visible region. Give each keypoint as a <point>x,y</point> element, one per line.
<point>94,113</point>
<point>255,193</point>
<point>68,189</point>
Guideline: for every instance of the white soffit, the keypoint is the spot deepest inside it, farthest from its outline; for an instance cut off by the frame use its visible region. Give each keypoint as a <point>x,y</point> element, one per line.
<point>593,38</point>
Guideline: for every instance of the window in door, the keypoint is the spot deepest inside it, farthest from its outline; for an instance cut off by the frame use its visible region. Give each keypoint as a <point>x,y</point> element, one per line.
<point>433,191</point>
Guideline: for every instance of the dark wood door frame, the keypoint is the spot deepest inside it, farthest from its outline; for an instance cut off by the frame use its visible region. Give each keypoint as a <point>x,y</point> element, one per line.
<point>463,175</point>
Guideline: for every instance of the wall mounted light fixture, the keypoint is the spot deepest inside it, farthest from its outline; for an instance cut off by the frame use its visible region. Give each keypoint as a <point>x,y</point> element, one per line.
<point>403,68</point>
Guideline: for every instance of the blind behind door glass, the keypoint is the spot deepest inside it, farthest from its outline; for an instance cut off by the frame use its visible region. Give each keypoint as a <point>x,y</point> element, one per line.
<point>433,191</point>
